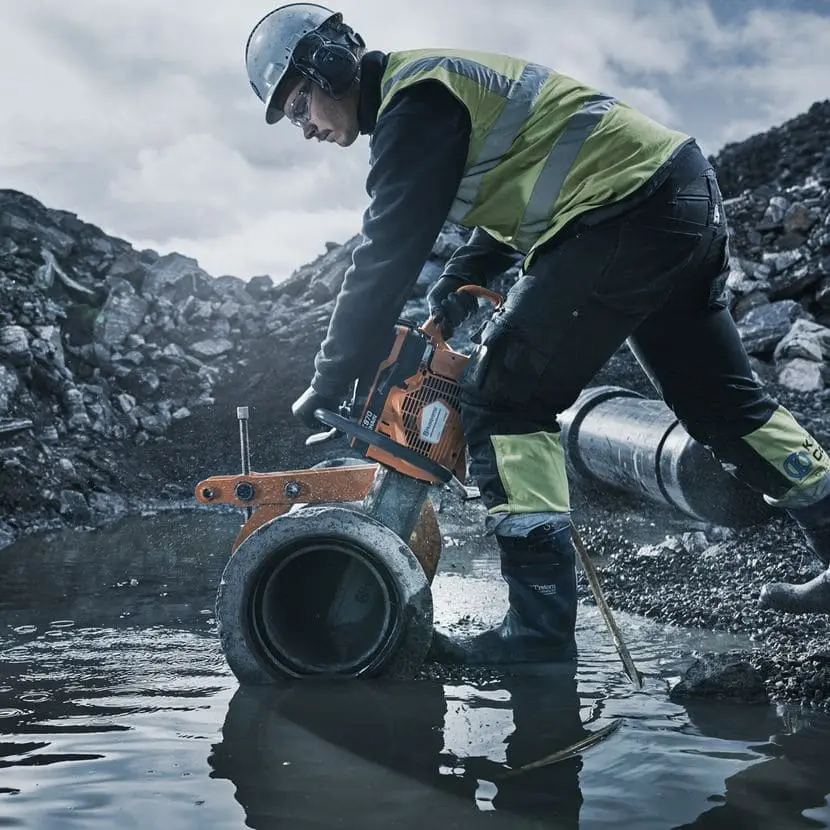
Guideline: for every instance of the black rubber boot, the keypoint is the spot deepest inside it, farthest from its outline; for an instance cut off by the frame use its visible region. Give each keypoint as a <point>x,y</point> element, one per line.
<point>812,597</point>
<point>539,625</point>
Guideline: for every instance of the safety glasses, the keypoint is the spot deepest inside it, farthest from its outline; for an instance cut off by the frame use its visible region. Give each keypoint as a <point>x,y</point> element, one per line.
<point>299,111</point>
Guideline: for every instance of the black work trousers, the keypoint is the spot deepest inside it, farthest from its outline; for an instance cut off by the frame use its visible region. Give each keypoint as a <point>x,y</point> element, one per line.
<point>653,276</point>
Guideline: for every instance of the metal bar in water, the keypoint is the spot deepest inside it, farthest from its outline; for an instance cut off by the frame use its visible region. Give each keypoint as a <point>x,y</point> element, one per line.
<point>616,635</point>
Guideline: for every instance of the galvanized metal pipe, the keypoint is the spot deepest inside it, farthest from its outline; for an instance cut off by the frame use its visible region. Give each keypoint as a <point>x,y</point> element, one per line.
<point>617,438</point>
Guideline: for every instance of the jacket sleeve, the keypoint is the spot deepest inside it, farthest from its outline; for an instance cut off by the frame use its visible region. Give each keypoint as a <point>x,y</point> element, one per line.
<point>418,152</point>
<point>481,259</point>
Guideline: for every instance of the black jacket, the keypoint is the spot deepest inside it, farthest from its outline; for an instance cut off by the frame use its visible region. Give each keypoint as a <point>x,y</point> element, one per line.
<point>418,149</point>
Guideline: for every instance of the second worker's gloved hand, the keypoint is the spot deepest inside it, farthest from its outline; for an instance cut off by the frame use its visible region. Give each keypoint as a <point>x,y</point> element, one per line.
<point>303,408</point>
<point>449,308</point>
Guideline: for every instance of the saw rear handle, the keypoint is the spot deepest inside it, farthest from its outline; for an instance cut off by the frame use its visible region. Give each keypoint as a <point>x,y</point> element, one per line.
<point>432,329</point>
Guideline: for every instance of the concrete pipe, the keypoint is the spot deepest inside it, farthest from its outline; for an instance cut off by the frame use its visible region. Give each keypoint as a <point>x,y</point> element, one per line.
<point>618,438</point>
<point>327,591</point>
<point>425,538</point>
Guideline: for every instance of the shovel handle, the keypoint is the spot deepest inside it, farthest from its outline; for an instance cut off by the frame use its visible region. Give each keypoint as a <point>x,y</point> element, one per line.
<point>616,635</point>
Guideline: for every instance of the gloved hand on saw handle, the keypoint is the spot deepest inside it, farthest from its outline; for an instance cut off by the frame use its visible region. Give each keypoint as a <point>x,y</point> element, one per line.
<point>303,408</point>
<point>449,308</point>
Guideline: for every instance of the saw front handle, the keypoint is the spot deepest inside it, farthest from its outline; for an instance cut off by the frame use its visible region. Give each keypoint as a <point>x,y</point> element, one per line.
<point>433,329</point>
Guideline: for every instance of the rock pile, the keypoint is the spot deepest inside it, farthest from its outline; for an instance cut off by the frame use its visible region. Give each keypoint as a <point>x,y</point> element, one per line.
<point>777,186</point>
<point>785,155</point>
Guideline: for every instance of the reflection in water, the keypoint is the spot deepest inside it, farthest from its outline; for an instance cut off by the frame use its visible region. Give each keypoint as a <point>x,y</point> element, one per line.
<point>117,710</point>
<point>790,789</point>
<point>362,746</point>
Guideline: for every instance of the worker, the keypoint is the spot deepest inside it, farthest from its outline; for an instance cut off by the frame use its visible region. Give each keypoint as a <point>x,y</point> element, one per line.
<point>619,225</point>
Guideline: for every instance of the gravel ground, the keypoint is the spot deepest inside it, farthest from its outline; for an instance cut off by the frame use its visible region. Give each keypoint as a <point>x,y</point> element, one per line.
<point>659,564</point>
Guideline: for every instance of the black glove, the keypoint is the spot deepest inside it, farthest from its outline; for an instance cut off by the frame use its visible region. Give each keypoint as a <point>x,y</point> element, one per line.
<point>449,308</point>
<point>303,408</point>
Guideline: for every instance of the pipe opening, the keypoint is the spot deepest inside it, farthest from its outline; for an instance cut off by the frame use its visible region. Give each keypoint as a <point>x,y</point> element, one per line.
<point>324,607</point>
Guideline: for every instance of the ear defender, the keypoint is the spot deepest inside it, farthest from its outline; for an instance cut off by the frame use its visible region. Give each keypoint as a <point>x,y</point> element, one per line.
<point>333,66</point>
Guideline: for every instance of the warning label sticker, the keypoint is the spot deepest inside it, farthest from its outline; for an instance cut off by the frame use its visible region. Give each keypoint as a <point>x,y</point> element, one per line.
<point>434,417</point>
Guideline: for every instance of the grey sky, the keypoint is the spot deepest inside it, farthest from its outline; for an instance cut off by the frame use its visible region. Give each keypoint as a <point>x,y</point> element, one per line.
<point>137,114</point>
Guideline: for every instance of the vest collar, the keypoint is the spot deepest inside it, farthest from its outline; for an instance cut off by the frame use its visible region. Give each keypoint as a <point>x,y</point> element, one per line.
<point>372,67</point>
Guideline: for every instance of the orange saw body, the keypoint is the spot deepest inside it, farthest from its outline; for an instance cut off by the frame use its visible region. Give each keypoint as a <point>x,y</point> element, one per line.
<point>414,401</point>
<point>412,409</point>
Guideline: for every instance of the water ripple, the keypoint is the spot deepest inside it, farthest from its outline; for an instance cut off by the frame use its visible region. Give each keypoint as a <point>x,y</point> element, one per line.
<point>117,709</point>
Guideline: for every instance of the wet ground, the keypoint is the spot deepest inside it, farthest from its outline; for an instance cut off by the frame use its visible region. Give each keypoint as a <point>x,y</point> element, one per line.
<point>117,710</point>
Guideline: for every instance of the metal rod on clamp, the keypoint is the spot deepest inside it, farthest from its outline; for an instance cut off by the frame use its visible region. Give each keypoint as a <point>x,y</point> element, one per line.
<point>244,446</point>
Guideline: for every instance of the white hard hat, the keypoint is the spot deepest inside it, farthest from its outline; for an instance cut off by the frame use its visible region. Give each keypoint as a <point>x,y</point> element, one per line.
<point>271,45</point>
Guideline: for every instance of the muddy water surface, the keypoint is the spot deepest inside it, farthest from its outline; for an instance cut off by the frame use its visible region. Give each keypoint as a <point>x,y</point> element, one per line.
<point>117,711</point>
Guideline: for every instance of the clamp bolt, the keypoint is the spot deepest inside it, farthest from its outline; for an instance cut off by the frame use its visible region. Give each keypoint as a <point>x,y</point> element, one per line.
<point>292,489</point>
<point>244,491</point>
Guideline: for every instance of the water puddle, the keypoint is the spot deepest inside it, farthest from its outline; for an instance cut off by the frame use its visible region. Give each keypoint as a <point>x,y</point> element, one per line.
<point>117,710</point>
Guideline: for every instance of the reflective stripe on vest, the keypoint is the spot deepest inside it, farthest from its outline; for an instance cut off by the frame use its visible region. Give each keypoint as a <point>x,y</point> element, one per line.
<point>548,186</point>
<point>520,97</point>
<point>544,148</point>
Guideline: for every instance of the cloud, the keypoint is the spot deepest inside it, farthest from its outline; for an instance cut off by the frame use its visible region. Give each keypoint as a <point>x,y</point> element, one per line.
<point>237,209</point>
<point>138,116</point>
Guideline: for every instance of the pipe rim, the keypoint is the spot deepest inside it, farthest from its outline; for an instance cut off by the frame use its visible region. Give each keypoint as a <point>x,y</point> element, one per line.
<point>275,654</point>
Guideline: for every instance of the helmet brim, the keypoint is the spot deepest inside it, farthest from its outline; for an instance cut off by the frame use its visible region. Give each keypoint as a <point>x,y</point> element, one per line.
<point>273,113</point>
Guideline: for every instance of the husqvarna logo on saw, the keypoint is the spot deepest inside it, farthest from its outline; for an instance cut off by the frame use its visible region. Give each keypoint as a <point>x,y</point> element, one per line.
<point>434,418</point>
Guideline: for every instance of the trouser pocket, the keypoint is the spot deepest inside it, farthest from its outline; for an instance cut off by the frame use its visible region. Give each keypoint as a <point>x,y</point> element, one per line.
<point>507,365</point>
<point>650,260</point>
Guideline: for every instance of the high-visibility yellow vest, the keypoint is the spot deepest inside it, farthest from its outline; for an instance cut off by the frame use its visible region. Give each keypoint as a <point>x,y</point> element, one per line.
<point>544,148</point>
